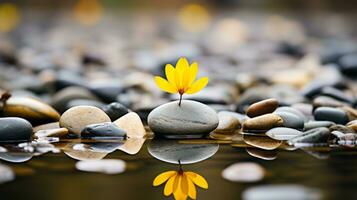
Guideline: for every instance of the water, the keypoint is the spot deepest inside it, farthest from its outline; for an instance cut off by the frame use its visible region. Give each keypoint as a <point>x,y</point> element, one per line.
<point>331,171</point>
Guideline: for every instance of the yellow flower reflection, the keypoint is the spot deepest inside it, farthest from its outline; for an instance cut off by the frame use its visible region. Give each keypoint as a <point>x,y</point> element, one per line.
<point>181,79</point>
<point>181,184</point>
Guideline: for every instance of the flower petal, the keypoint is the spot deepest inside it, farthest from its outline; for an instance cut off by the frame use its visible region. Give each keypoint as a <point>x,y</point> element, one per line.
<point>197,85</point>
<point>178,195</point>
<point>170,74</point>
<point>169,187</point>
<point>193,72</point>
<point>161,178</point>
<point>197,179</point>
<point>184,184</point>
<point>191,188</point>
<point>181,66</point>
<point>165,85</point>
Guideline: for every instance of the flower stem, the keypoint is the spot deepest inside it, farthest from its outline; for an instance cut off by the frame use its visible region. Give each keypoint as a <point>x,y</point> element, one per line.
<point>180,99</point>
<point>180,167</point>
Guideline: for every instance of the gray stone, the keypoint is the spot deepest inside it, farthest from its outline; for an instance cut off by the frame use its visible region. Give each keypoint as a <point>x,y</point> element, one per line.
<point>103,130</point>
<point>14,129</point>
<point>172,151</point>
<point>115,110</point>
<point>291,120</point>
<point>291,110</point>
<point>190,120</point>
<point>331,114</point>
<point>316,124</point>
<point>282,133</point>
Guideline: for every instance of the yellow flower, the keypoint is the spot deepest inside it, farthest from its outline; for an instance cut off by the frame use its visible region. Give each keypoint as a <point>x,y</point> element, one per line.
<point>181,79</point>
<point>181,184</point>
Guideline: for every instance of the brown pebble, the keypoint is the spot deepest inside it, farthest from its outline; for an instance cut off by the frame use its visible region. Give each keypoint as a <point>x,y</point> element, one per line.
<point>262,107</point>
<point>352,125</point>
<point>351,112</point>
<point>52,125</point>
<point>132,125</point>
<point>262,123</point>
<point>58,132</point>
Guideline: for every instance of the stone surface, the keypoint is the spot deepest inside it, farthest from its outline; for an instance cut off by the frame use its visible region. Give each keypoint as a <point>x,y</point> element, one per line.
<point>115,110</point>
<point>331,114</point>
<point>282,133</point>
<point>58,132</point>
<point>291,120</point>
<point>291,110</point>
<point>190,120</point>
<point>262,123</point>
<point>172,151</point>
<point>103,130</point>
<point>31,109</point>
<point>14,129</point>
<point>6,174</point>
<point>76,118</point>
<point>262,107</point>
<point>52,125</point>
<point>132,125</point>
<point>316,124</point>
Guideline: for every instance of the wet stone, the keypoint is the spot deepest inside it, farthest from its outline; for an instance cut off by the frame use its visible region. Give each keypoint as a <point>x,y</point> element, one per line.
<point>331,114</point>
<point>291,110</point>
<point>14,129</point>
<point>227,126</point>
<point>262,154</point>
<point>282,133</point>
<point>103,130</point>
<point>291,120</point>
<point>77,118</point>
<point>58,132</point>
<point>132,125</point>
<point>115,110</point>
<point>33,110</point>
<point>316,124</point>
<point>317,135</point>
<point>262,107</point>
<point>262,123</point>
<point>190,120</point>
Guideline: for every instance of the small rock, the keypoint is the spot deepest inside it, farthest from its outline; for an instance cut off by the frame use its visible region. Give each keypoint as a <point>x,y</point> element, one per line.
<point>351,112</point>
<point>106,166</point>
<point>244,172</point>
<point>262,123</point>
<point>132,125</point>
<point>227,126</point>
<point>190,120</point>
<point>84,102</point>
<point>33,110</point>
<point>262,154</point>
<point>349,139</point>
<point>337,94</point>
<point>115,110</point>
<point>291,110</point>
<point>291,120</point>
<point>103,130</point>
<point>352,125</point>
<point>76,118</point>
<point>52,125</point>
<point>341,128</point>
<point>58,132</point>
<point>14,129</point>
<point>324,101</point>
<point>282,133</point>
<point>331,114</point>
<point>262,107</point>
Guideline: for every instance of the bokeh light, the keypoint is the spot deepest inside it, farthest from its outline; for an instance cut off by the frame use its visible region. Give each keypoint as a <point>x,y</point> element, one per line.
<point>194,17</point>
<point>9,17</point>
<point>88,12</point>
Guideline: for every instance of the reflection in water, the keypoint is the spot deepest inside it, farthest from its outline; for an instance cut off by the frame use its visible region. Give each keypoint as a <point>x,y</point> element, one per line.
<point>16,157</point>
<point>172,150</point>
<point>106,166</point>
<point>244,172</point>
<point>262,154</point>
<point>181,184</point>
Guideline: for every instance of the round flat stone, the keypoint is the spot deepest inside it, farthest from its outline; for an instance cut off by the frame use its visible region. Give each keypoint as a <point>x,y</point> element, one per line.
<point>317,135</point>
<point>316,124</point>
<point>77,118</point>
<point>106,166</point>
<point>15,129</point>
<point>331,114</point>
<point>282,133</point>
<point>262,142</point>
<point>262,123</point>
<point>190,120</point>
<point>262,107</point>
<point>132,125</point>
